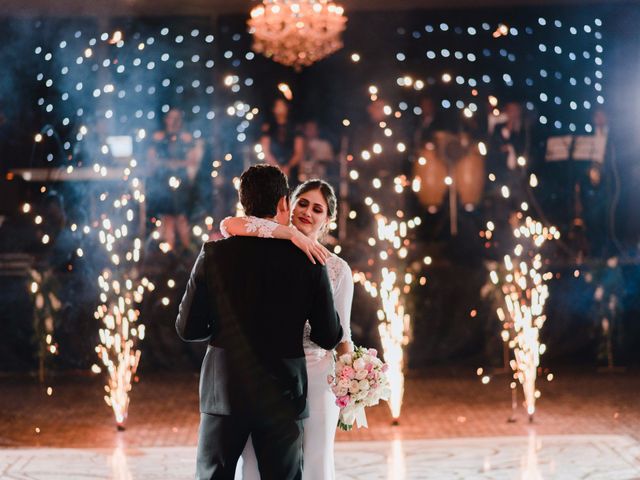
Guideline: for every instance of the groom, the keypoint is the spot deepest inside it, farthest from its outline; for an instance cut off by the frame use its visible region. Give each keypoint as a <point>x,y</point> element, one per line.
<point>249,298</point>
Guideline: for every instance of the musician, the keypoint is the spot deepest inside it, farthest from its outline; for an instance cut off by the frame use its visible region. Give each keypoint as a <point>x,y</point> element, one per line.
<point>508,141</point>
<point>595,185</point>
<point>431,120</point>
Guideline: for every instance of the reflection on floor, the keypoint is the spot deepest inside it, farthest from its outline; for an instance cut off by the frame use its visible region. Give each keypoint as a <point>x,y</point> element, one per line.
<point>594,457</point>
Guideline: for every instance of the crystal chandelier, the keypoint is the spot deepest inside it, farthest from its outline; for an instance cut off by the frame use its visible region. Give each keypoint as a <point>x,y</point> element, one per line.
<point>297,33</point>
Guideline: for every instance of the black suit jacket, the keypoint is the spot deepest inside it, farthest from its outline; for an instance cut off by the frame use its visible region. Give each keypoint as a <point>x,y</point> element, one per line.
<point>249,298</point>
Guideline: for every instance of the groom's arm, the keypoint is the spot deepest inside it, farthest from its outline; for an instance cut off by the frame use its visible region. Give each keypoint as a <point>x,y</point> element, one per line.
<point>325,324</point>
<point>195,314</point>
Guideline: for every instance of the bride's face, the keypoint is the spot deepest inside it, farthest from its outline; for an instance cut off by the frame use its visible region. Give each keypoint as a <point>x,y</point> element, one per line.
<point>310,213</point>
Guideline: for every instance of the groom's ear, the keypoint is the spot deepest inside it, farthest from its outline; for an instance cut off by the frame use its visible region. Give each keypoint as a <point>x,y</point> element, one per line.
<point>283,205</point>
<point>282,211</point>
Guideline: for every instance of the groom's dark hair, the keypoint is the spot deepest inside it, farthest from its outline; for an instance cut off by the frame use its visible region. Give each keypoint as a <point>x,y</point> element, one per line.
<point>261,188</point>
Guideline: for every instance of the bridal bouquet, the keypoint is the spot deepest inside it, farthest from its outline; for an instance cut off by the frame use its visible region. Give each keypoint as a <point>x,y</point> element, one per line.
<point>360,381</point>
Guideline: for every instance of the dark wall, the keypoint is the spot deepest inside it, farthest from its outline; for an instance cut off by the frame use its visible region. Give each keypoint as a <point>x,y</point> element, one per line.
<point>444,331</point>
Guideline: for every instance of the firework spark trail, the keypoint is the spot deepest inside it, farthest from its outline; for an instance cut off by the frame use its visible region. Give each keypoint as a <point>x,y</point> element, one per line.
<point>525,293</point>
<point>121,292</point>
<point>393,329</point>
<point>392,336</point>
<point>388,285</point>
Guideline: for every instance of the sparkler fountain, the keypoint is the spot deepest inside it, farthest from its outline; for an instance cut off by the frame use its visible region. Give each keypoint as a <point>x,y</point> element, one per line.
<point>393,247</point>
<point>525,292</point>
<point>126,104</point>
<point>121,292</point>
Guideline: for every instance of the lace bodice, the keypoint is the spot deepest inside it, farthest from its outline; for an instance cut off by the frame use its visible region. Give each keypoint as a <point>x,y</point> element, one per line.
<point>341,281</point>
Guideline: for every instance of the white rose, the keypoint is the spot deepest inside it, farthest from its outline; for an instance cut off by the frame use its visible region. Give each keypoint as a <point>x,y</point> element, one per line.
<point>363,384</point>
<point>359,364</point>
<point>343,384</point>
<point>361,374</point>
<point>354,386</point>
<point>346,358</point>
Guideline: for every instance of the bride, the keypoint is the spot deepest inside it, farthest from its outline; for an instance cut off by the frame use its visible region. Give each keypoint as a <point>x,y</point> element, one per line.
<point>313,209</point>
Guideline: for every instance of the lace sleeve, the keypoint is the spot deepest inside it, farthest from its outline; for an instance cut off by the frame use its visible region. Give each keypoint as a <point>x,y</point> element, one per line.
<point>249,226</point>
<point>343,298</point>
<point>223,228</point>
<point>263,226</point>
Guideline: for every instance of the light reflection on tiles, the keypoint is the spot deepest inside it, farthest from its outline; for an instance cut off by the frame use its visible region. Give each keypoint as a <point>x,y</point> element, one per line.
<point>593,457</point>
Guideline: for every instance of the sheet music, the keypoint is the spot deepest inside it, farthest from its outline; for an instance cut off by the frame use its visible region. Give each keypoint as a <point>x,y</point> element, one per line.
<point>590,148</point>
<point>558,148</point>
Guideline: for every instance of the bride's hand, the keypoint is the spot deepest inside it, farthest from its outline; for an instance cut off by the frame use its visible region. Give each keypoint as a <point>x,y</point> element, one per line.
<point>313,249</point>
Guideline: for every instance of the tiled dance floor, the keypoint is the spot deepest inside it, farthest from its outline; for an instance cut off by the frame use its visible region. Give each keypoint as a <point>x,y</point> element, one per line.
<point>593,457</point>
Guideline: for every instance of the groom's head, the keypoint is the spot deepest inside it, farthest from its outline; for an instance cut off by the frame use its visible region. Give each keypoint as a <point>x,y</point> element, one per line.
<point>264,193</point>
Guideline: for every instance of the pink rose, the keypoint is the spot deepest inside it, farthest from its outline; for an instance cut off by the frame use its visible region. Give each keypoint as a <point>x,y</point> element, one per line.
<point>330,379</point>
<point>368,367</point>
<point>348,372</point>
<point>342,401</point>
<point>373,352</point>
<point>385,367</point>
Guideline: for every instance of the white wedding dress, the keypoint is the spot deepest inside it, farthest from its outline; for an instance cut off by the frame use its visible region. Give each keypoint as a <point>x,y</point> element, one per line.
<point>320,427</point>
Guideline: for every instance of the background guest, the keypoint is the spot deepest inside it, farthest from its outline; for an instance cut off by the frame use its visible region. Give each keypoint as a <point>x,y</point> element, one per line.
<point>282,143</point>
<point>174,157</point>
<point>319,159</point>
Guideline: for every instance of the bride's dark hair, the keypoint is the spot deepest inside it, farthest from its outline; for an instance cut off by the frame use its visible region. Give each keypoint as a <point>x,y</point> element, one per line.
<point>327,192</point>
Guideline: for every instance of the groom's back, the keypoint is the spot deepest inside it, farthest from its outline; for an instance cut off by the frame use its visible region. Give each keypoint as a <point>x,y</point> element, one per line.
<point>262,291</point>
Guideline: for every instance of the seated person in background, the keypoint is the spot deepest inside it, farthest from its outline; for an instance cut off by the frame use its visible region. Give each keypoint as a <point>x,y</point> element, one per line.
<point>319,159</point>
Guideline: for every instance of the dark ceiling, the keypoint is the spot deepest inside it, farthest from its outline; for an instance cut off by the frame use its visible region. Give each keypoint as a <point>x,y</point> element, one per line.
<point>221,7</point>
